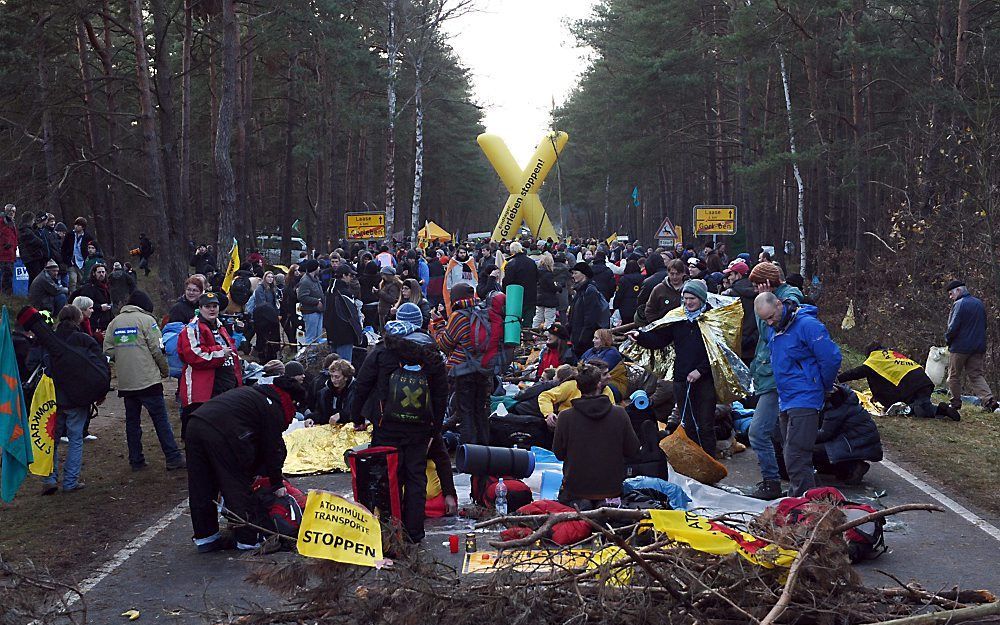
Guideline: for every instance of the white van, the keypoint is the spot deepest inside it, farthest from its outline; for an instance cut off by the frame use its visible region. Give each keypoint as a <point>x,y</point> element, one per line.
<point>270,247</point>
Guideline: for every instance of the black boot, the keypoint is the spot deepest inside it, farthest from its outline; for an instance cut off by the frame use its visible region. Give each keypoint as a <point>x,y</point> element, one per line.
<point>944,409</point>
<point>766,490</point>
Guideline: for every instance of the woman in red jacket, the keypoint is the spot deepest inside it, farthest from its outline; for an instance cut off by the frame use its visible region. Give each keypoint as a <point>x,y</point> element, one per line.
<point>211,366</point>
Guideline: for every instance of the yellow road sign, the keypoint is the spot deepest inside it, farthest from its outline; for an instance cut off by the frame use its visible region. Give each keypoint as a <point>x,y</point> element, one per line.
<point>710,219</point>
<point>364,225</point>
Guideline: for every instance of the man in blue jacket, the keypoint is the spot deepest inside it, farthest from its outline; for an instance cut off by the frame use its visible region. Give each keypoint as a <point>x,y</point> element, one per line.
<point>966,339</point>
<point>805,361</point>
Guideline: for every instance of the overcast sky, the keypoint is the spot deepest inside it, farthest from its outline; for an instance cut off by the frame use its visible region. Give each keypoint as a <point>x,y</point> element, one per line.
<point>521,55</point>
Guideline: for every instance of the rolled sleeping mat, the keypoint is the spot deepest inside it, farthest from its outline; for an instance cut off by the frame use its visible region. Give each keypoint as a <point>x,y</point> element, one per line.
<point>640,399</point>
<point>512,315</point>
<point>497,461</point>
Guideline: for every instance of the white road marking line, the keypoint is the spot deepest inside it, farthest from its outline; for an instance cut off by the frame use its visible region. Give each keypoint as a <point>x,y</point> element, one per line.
<point>124,554</point>
<point>943,499</point>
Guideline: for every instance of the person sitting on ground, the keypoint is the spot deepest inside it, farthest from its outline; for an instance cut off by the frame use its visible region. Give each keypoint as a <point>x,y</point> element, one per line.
<point>604,349</point>
<point>527,399</point>
<point>46,292</point>
<point>847,439</point>
<point>230,439</point>
<point>550,402</point>
<point>556,351</point>
<point>898,383</point>
<point>592,438</point>
<point>333,401</point>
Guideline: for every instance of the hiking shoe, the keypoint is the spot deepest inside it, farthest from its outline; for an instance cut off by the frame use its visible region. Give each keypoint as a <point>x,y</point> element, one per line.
<point>766,490</point>
<point>857,473</point>
<point>225,541</point>
<point>49,489</point>
<point>138,467</point>
<point>992,406</point>
<point>90,437</point>
<point>79,486</point>
<point>177,464</point>
<point>897,409</point>
<point>947,410</point>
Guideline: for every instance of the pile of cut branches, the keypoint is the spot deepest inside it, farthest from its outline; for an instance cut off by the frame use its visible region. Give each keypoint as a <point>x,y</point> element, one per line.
<point>31,595</point>
<point>651,580</point>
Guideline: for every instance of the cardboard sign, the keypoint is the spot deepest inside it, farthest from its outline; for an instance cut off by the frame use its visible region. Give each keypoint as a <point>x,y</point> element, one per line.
<point>334,528</point>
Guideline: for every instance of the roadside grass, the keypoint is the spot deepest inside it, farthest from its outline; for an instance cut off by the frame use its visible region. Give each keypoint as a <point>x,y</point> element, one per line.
<point>963,456</point>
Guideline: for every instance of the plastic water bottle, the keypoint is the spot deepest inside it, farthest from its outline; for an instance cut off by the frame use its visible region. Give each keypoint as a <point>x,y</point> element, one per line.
<point>501,498</point>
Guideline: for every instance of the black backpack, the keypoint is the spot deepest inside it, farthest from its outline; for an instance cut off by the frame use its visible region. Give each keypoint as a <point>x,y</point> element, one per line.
<point>409,398</point>
<point>240,290</point>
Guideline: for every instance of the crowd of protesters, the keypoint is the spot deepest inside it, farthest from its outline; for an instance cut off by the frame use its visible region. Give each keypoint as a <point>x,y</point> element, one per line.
<point>433,316</point>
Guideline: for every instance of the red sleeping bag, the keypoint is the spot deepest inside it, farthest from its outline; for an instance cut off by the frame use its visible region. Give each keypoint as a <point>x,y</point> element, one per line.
<point>564,533</point>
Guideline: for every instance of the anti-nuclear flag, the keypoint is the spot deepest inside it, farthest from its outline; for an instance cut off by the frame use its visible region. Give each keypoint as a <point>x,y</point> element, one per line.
<point>714,537</point>
<point>42,426</point>
<point>234,264</point>
<point>14,443</point>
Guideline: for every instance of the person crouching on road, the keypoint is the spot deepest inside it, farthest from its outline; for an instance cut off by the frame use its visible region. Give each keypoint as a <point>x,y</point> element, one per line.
<point>133,342</point>
<point>592,438</point>
<point>694,385</point>
<point>209,356</point>
<point>899,384</point>
<point>407,381</point>
<point>230,440</point>
<point>805,361</point>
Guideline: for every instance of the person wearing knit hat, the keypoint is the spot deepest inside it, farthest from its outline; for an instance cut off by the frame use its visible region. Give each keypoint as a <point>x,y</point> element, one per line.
<point>766,273</point>
<point>294,369</point>
<point>132,340</point>
<point>588,312</point>
<point>694,385</point>
<point>410,313</point>
<point>967,344</point>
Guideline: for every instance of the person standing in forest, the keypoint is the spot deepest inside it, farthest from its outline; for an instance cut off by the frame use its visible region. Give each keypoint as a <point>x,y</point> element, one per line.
<point>966,340</point>
<point>74,252</point>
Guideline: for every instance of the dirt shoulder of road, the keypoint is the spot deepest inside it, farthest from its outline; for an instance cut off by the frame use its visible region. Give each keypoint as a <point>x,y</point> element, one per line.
<point>70,533</point>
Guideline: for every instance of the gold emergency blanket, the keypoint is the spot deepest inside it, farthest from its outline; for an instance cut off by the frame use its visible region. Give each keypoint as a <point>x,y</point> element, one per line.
<point>320,449</point>
<point>721,329</point>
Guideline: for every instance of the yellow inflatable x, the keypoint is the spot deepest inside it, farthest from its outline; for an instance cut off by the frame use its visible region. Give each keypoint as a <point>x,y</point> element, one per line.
<point>523,204</point>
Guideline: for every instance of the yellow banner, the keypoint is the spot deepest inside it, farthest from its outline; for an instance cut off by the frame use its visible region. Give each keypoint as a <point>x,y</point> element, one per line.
<point>336,529</point>
<point>891,365</point>
<point>712,537</point>
<point>232,267</point>
<point>42,426</point>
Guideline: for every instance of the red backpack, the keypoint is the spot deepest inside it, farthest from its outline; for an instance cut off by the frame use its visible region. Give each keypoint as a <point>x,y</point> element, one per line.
<point>864,542</point>
<point>284,513</point>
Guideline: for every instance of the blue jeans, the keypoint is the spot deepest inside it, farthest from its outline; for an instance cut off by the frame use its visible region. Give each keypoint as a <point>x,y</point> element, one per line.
<point>157,409</point>
<point>762,429</point>
<point>314,327</point>
<point>345,351</point>
<point>76,420</point>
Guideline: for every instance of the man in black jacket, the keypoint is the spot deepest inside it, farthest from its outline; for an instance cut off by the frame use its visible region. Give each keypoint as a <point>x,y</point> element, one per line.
<point>604,278</point>
<point>588,311</point>
<point>899,384</point>
<point>340,317</point>
<point>523,271</point>
<point>407,384</point>
<point>230,440</point>
<point>656,272</point>
<point>694,386</point>
<point>74,252</point>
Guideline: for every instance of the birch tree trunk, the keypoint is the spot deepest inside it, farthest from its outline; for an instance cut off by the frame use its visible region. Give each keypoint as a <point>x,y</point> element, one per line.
<point>418,152</point>
<point>170,272</point>
<point>801,213</point>
<point>224,131</point>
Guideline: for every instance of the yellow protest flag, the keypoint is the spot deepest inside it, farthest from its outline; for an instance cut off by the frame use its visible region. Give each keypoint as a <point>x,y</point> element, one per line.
<point>234,264</point>
<point>713,537</point>
<point>612,238</point>
<point>334,528</point>
<point>42,426</point>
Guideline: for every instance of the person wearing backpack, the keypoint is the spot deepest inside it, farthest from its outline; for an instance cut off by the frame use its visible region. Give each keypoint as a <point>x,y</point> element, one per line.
<point>265,317</point>
<point>133,342</point>
<point>406,382</point>
<point>146,250</point>
<point>588,311</point>
<point>81,375</point>
<point>241,289</point>
<point>464,338</point>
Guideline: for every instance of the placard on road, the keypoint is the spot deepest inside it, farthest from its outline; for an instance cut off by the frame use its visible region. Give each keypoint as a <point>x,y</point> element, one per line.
<point>715,220</point>
<point>360,226</point>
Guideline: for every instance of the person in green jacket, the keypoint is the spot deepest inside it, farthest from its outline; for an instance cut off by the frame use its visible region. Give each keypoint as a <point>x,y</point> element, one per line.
<point>766,278</point>
<point>132,340</point>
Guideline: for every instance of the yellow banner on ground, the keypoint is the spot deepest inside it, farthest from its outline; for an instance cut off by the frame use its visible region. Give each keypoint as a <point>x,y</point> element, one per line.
<point>42,426</point>
<point>333,528</point>
<point>713,537</point>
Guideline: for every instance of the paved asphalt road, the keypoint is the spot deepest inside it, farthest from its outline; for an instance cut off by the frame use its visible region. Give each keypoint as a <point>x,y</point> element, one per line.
<point>169,582</point>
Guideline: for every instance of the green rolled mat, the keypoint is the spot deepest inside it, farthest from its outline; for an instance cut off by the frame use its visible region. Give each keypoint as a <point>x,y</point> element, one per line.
<point>512,315</point>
